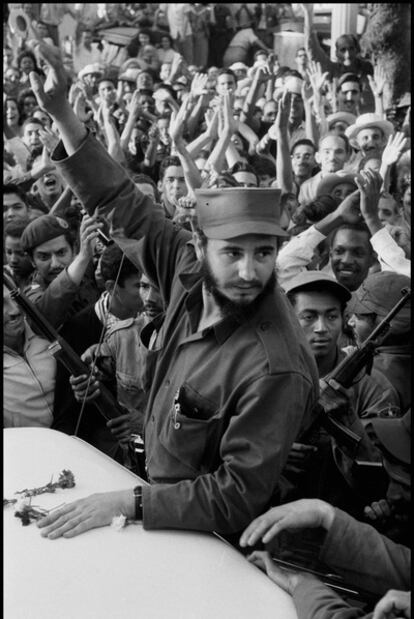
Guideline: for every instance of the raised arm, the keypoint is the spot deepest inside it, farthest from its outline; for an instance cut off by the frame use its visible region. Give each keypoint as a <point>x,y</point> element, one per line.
<point>284,173</point>
<point>313,47</point>
<point>52,97</point>
<point>191,173</point>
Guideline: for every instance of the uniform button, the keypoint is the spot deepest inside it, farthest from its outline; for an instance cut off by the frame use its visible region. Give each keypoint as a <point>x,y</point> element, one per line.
<point>265,326</point>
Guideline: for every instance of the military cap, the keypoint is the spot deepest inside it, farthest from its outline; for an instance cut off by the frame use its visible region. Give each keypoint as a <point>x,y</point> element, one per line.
<point>42,229</point>
<point>378,294</point>
<point>395,436</point>
<point>233,211</point>
<point>308,279</point>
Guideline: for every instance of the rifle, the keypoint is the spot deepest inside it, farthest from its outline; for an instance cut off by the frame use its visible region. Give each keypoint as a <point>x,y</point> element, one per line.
<point>62,351</point>
<point>343,376</point>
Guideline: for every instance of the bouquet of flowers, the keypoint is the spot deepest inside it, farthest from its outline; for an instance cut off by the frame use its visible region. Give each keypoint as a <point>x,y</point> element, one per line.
<point>23,506</point>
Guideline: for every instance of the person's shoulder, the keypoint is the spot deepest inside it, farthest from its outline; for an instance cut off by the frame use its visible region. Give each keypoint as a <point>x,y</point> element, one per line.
<point>127,324</point>
<point>282,339</point>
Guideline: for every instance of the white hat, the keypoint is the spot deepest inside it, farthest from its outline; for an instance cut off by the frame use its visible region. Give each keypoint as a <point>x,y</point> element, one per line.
<point>345,117</point>
<point>293,84</point>
<point>239,66</point>
<point>365,121</point>
<point>130,75</point>
<point>91,68</point>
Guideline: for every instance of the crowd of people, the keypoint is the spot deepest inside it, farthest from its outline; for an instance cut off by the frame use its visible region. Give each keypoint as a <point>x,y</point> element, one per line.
<point>214,234</point>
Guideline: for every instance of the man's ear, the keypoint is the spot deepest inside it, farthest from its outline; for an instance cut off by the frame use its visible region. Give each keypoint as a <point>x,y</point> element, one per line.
<point>199,248</point>
<point>317,158</point>
<point>159,186</point>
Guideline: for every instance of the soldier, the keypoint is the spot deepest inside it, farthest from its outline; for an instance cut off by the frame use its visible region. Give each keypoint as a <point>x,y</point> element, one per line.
<point>234,381</point>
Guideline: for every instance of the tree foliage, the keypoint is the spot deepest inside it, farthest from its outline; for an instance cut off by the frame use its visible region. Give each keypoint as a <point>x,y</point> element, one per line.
<point>387,40</point>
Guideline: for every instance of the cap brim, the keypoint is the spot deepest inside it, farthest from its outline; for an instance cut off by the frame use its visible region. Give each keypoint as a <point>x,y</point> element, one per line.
<point>355,306</point>
<point>394,437</point>
<point>229,231</point>
<point>384,125</point>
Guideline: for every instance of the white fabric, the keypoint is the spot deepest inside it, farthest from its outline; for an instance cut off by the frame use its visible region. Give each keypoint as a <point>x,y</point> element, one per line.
<point>390,255</point>
<point>108,574</point>
<point>29,384</point>
<point>297,253</point>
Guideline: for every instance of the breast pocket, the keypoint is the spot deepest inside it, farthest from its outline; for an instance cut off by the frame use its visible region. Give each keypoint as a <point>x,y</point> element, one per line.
<point>190,431</point>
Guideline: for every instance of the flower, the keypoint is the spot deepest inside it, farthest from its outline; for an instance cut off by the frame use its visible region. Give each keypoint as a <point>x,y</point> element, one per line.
<point>66,479</point>
<point>119,522</point>
<point>21,504</point>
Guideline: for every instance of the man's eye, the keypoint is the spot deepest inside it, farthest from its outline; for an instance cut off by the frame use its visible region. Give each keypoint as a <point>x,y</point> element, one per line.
<point>307,317</point>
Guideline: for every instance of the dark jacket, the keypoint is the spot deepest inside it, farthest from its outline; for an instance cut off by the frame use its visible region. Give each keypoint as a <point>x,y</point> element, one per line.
<point>225,403</point>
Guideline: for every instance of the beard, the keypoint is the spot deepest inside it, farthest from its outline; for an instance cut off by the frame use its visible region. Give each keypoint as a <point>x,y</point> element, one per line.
<point>241,311</point>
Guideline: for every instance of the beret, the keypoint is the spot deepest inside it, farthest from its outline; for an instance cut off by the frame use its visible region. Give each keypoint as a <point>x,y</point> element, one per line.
<point>42,229</point>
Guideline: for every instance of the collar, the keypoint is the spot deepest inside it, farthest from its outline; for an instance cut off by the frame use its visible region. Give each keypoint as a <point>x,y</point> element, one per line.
<point>193,283</point>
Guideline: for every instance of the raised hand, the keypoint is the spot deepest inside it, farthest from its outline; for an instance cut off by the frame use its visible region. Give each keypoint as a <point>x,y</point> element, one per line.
<point>331,87</point>
<point>369,184</point>
<point>88,233</point>
<point>51,96</point>
<point>229,122</point>
<point>402,237</point>
<point>134,106</point>
<point>48,138</point>
<point>394,148</point>
<point>282,119</point>
<point>305,513</point>
<point>79,107</point>
<point>349,209</point>
<point>185,210</point>
<point>178,119</point>
<point>43,166</point>
<point>377,81</point>
<point>154,132</point>
<point>211,118</point>
<point>316,77</point>
<point>199,84</point>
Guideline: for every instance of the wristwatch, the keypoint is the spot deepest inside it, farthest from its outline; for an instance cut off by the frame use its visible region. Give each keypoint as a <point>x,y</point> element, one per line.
<point>138,502</point>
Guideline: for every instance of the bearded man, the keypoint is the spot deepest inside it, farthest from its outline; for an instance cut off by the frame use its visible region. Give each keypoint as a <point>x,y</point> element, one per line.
<point>233,380</point>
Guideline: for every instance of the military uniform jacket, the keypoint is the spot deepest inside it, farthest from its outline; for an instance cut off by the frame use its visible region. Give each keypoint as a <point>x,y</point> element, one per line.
<point>225,403</point>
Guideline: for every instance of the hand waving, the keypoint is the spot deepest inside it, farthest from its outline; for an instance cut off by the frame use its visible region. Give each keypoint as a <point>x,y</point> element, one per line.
<point>199,84</point>
<point>394,148</point>
<point>369,184</point>
<point>378,81</point>
<point>316,77</point>
<point>51,96</point>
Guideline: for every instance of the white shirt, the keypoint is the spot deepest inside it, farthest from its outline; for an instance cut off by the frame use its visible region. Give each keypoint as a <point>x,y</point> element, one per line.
<point>390,255</point>
<point>29,384</point>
